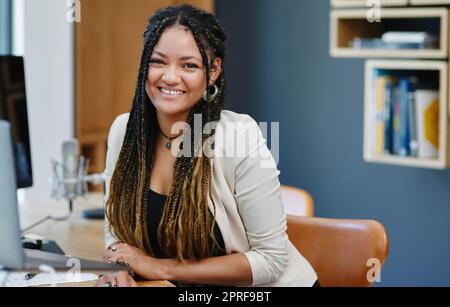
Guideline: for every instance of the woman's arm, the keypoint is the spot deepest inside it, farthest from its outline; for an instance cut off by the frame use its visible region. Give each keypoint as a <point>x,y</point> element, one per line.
<point>229,270</point>
<point>258,197</point>
<point>115,140</point>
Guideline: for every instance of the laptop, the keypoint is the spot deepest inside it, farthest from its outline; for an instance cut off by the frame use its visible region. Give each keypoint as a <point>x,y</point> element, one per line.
<point>12,255</point>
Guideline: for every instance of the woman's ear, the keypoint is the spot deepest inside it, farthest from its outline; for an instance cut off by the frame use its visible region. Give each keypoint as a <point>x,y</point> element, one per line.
<point>216,69</point>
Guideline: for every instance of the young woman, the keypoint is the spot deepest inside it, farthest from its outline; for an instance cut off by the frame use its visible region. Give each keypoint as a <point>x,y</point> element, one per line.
<point>193,208</point>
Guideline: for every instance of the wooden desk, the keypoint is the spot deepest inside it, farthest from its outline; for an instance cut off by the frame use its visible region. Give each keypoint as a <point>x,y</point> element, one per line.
<point>76,236</point>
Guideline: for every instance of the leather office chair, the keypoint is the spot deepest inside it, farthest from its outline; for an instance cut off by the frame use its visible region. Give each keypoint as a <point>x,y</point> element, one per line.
<point>339,249</point>
<point>297,201</point>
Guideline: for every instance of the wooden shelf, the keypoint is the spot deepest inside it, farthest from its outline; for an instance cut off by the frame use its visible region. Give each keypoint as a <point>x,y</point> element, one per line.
<point>405,161</point>
<point>441,69</point>
<point>386,3</point>
<point>346,25</point>
<point>429,2</point>
<point>363,3</point>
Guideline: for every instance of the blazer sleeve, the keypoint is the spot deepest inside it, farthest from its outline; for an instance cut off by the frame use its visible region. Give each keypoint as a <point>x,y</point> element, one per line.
<point>258,196</point>
<point>115,140</point>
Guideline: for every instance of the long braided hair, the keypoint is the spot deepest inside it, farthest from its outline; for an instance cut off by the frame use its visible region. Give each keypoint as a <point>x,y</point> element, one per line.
<point>186,224</point>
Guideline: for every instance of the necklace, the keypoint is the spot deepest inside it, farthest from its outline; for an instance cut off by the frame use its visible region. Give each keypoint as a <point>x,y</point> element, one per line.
<point>168,144</point>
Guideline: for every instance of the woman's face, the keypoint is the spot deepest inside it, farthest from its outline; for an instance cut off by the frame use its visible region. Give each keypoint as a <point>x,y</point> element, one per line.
<point>177,78</point>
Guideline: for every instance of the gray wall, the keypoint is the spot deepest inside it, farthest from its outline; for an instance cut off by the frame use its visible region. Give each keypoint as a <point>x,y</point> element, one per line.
<point>49,71</point>
<point>5,26</point>
<point>279,69</point>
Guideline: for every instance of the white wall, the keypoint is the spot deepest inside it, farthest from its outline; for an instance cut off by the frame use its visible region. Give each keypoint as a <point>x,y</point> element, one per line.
<point>47,45</point>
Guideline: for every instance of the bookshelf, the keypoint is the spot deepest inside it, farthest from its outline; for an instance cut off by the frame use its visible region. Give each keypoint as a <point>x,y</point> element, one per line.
<point>407,68</point>
<point>363,3</point>
<point>349,24</point>
<point>429,2</point>
<point>387,3</point>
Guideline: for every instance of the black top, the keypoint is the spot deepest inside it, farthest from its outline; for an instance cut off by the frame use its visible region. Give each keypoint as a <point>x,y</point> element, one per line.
<point>154,213</point>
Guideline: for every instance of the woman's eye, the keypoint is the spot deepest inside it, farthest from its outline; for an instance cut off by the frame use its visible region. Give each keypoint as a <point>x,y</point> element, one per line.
<point>156,61</point>
<point>190,65</point>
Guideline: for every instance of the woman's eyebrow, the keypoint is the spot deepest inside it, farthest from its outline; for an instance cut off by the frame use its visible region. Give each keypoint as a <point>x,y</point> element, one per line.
<point>185,58</point>
<point>160,54</point>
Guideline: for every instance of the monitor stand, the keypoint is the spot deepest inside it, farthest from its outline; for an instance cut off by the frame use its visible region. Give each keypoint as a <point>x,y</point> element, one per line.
<point>93,214</point>
<point>42,245</point>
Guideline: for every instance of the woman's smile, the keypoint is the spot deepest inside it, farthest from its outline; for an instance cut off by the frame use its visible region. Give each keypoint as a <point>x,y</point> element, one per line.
<point>176,78</point>
<point>171,93</point>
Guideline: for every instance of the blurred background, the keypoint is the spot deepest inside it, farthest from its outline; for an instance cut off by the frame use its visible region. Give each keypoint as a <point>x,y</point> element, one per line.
<point>81,75</point>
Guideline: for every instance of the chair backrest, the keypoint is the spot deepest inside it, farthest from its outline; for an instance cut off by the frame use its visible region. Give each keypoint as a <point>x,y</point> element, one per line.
<point>297,201</point>
<point>342,252</point>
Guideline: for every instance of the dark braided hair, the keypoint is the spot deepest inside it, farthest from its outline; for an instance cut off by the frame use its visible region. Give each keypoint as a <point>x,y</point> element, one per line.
<point>186,224</point>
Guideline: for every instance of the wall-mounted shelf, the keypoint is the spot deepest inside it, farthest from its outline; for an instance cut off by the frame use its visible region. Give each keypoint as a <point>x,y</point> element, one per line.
<point>429,2</point>
<point>435,70</point>
<point>363,3</point>
<point>350,26</point>
<point>412,64</point>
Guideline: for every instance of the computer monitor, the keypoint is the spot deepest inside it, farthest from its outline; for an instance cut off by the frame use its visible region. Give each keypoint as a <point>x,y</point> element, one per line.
<point>13,108</point>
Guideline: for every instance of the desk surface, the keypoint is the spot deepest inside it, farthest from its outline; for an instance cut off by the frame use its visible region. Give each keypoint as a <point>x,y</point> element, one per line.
<point>78,237</point>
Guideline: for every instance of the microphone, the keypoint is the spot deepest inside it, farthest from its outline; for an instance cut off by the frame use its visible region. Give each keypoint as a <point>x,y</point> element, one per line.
<point>70,178</point>
<point>72,181</point>
<point>70,151</point>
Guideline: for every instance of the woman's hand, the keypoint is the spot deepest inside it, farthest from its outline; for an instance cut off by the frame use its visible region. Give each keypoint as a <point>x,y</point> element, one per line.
<point>121,252</point>
<point>120,279</point>
<point>145,266</point>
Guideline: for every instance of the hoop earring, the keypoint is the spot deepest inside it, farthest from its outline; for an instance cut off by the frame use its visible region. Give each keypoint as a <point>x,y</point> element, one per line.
<point>212,96</point>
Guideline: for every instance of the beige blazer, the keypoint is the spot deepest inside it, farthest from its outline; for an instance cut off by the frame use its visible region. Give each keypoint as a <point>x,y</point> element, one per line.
<point>246,192</point>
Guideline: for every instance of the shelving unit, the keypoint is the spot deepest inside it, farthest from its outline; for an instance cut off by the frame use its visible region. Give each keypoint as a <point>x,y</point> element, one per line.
<point>429,2</point>
<point>347,25</point>
<point>442,161</point>
<point>360,3</point>
<point>348,22</point>
<point>365,3</point>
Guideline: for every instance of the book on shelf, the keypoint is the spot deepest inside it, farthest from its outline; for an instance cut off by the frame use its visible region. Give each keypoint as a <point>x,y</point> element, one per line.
<point>412,111</point>
<point>397,40</point>
<point>405,98</point>
<point>427,103</point>
<point>405,118</point>
<point>382,92</point>
<point>408,37</point>
<point>396,121</point>
<point>390,93</point>
<point>376,43</point>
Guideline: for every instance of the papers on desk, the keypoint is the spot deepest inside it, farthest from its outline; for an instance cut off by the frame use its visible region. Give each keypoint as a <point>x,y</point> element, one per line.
<point>17,279</point>
<point>3,275</point>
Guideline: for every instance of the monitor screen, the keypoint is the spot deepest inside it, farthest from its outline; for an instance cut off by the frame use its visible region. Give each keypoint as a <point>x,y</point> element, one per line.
<point>13,108</point>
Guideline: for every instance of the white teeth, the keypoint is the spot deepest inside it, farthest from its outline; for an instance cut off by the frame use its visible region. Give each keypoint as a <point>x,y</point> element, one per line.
<point>170,92</point>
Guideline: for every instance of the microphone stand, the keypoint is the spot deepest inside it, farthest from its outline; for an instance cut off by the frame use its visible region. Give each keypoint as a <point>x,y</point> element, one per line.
<point>59,190</point>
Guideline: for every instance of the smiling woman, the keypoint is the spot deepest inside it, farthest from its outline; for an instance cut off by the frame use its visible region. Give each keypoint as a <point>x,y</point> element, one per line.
<point>176,78</point>
<point>195,218</point>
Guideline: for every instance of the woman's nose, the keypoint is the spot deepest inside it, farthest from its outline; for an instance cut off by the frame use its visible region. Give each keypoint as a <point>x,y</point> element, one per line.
<point>171,76</point>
